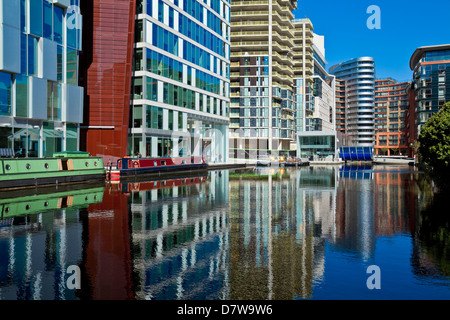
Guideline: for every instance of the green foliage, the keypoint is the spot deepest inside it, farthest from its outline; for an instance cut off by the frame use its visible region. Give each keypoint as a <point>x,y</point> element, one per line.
<point>434,148</point>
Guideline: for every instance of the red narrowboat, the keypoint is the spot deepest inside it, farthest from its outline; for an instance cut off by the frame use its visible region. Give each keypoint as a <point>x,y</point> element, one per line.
<point>136,166</point>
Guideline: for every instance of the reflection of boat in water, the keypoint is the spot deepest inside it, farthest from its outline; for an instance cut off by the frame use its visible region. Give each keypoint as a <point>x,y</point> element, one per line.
<point>63,168</point>
<point>132,167</point>
<point>58,199</point>
<point>162,183</point>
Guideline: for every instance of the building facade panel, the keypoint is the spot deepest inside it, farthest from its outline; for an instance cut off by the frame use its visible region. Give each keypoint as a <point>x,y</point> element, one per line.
<point>107,71</point>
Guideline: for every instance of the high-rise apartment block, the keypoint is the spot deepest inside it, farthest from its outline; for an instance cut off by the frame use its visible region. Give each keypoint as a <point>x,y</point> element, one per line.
<point>41,104</point>
<point>262,71</point>
<point>359,77</point>
<point>391,103</point>
<point>303,72</point>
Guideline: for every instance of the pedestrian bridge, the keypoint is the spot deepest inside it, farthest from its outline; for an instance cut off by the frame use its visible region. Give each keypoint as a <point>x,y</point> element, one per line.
<point>356,153</point>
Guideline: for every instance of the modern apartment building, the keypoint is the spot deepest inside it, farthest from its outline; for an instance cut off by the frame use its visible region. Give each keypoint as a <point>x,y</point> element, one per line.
<point>303,73</point>
<point>157,79</point>
<point>323,90</point>
<point>318,139</point>
<point>431,81</point>
<point>262,72</point>
<point>41,104</point>
<point>391,103</point>
<point>340,105</point>
<point>359,76</point>
<point>410,121</point>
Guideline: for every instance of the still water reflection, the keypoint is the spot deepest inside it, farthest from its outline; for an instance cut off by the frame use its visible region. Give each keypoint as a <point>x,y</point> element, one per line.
<point>283,234</point>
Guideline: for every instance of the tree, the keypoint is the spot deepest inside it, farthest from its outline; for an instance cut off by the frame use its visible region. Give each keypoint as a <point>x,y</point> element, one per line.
<point>434,146</point>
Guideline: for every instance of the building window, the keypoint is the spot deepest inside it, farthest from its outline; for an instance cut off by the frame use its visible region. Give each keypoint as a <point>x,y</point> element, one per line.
<point>36,17</point>
<point>53,101</point>
<point>57,25</point>
<point>21,96</point>
<point>32,56</point>
<point>60,63</point>
<point>72,66</point>
<point>137,117</point>
<point>5,94</point>
<point>48,20</point>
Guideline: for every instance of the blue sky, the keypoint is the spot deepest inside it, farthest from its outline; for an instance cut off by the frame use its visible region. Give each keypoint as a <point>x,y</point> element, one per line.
<point>405,26</point>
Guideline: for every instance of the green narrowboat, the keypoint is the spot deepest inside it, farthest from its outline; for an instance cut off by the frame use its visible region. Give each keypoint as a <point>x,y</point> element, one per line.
<point>63,168</point>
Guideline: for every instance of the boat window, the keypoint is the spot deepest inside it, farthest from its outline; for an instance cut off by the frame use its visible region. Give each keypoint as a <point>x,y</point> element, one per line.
<point>64,202</point>
<point>155,164</point>
<point>64,164</point>
<point>163,163</point>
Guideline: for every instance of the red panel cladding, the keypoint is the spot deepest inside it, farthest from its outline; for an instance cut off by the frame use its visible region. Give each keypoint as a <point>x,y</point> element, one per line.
<point>106,72</point>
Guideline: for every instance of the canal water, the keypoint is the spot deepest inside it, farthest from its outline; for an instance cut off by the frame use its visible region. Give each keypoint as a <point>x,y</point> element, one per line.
<point>266,234</point>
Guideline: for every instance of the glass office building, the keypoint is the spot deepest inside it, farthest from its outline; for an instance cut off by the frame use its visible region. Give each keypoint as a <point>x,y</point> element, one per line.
<point>431,81</point>
<point>180,86</point>
<point>41,104</point>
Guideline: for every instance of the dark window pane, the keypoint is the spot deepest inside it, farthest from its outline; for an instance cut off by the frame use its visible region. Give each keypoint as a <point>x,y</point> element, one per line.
<point>57,25</point>
<point>5,94</point>
<point>32,55</point>
<point>48,20</point>
<point>36,17</point>
<point>21,96</point>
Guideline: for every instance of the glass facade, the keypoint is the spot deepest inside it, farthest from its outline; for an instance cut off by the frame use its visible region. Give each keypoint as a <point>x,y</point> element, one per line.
<point>35,121</point>
<point>181,83</point>
<point>431,84</point>
<point>314,147</point>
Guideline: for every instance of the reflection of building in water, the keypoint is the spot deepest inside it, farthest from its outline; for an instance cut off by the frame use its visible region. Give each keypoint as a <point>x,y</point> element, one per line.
<point>36,248</point>
<point>354,211</point>
<point>317,191</point>
<point>275,234</point>
<point>373,201</point>
<point>180,239</point>
<point>390,214</point>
